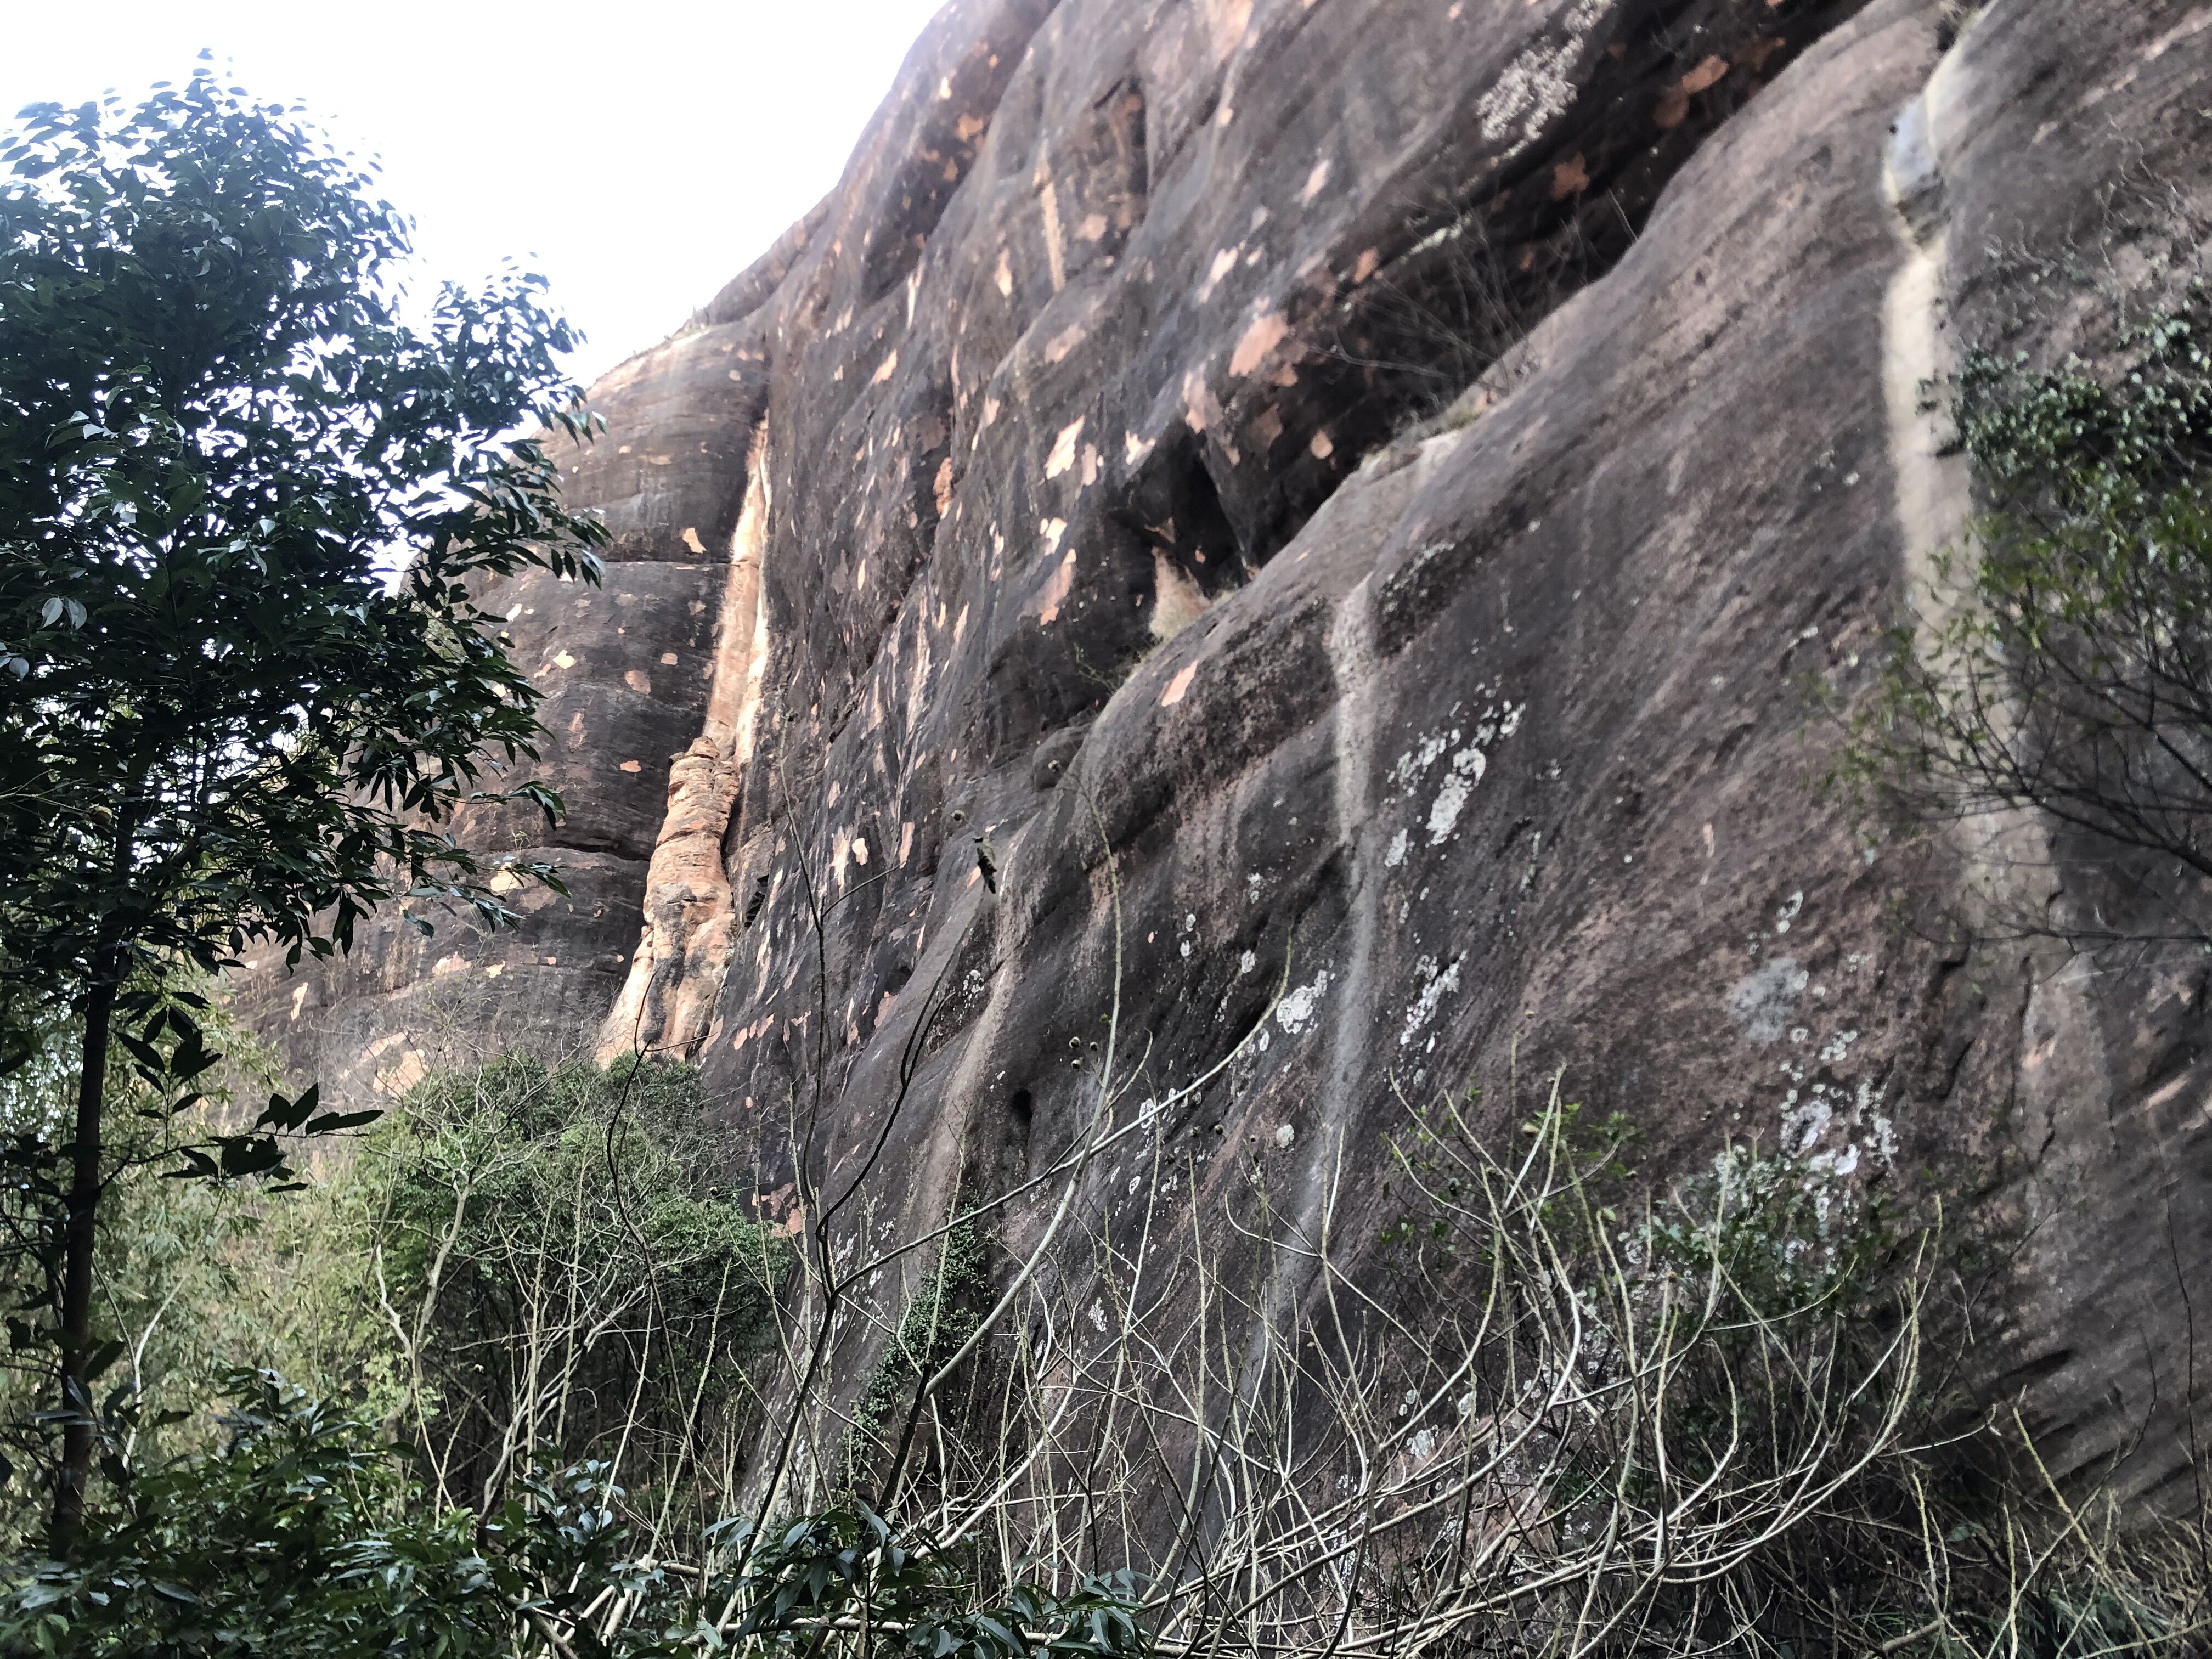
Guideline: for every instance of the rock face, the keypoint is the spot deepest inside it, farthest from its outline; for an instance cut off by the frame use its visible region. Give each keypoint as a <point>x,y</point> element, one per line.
<point>1064,479</point>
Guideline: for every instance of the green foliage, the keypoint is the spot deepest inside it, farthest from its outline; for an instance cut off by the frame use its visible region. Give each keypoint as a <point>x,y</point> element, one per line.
<point>244,688</point>
<point>2097,447</point>
<point>939,1319</point>
<point>558,1327</point>
<point>1788,1236</point>
<point>899,1593</point>
<point>561,1265</point>
<point>2063,660</point>
<point>242,681</point>
<point>178,1264</point>
<point>300,1536</point>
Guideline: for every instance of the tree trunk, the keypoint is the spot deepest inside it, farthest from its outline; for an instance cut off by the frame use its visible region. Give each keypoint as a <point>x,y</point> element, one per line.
<point>78,1236</point>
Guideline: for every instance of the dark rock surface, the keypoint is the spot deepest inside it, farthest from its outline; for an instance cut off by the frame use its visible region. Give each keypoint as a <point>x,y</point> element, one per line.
<point>1066,473</point>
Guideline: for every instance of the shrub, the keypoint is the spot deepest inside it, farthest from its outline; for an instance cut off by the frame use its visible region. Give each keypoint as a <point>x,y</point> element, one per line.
<point>559,1266</point>
<point>2062,660</point>
<point>298,1536</point>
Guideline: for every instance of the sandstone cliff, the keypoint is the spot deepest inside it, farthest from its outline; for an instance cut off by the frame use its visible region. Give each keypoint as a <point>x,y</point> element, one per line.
<point>1065,477</point>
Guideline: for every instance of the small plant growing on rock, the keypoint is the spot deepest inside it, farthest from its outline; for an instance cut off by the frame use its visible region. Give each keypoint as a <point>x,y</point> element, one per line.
<point>2060,665</point>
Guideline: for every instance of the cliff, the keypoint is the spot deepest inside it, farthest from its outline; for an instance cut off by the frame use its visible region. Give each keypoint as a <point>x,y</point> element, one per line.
<point>1352,497</point>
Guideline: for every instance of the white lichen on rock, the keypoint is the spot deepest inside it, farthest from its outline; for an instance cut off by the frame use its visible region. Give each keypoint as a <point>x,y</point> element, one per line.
<point>1437,984</point>
<point>1467,767</point>
<point>1537,86</point>
<point>1296,1011</point>
<point>1763,1002</point>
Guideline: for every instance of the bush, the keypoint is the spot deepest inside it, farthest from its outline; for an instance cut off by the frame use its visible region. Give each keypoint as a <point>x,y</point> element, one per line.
<point>2064,661</point>
<point>299,1536</point>
<point>182,1269</point>
<point>523,1263</point>
<point>1720,1417</point>
<point>557,1266</point>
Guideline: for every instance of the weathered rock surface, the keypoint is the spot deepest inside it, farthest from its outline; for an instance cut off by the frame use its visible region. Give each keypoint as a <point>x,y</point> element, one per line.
<point>1054,480</point>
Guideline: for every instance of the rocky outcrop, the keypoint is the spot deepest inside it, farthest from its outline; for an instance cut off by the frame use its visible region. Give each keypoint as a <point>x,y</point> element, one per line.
<point>638,669</point>
<point>1349,496</point>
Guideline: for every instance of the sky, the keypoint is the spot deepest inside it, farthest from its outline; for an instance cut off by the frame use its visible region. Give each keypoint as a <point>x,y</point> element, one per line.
<point>640,153</point>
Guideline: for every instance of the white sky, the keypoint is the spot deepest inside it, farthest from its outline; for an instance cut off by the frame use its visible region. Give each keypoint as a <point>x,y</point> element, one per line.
<point>639,153</point>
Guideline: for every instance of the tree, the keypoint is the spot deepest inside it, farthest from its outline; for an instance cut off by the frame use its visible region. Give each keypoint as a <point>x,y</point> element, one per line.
<point>244,687</point>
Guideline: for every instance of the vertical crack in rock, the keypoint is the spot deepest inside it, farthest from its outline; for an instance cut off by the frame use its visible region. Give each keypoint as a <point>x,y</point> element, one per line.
<point>2005,855</point>
<point>667,1003</point>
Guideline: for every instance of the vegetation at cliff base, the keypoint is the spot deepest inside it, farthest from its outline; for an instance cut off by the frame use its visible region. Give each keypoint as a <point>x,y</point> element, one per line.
<point>565,1272</point>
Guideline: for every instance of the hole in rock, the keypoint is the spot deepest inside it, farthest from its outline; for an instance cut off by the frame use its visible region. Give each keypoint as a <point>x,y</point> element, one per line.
<point>1174,506</point>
